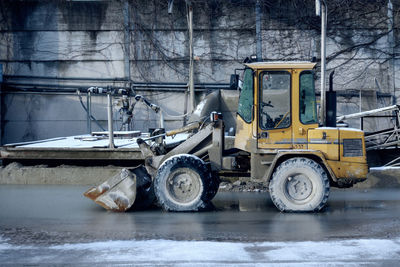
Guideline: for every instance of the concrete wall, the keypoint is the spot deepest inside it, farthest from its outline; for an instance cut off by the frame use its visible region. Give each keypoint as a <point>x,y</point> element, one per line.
<point>46,115</point>
<point>88,39</point>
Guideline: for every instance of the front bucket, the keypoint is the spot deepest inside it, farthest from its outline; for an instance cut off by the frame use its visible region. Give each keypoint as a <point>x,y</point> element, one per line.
<point>120,191</point>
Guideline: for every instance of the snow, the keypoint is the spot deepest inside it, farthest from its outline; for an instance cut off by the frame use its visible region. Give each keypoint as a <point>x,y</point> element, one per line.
<point>195,251</point>
<point>4,246</point>
<point>156,252</point>
<point>350,129</point>
<point>178,156</point>
<point>326,128</point>
<point>200,107</point>
<point>383,168</point>
<point>81,141</point>
<point>118,197</point>
<point>280,62</point>
<point>340,128</point>
<point>88,141</point>
<point>103,187</point>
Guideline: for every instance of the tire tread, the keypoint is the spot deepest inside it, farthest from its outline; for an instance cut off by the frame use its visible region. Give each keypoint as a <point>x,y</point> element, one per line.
<point>290,163</point>
<point>188,161</point>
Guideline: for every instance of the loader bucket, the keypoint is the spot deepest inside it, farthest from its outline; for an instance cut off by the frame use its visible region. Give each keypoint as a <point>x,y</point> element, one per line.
<point>122,191</point>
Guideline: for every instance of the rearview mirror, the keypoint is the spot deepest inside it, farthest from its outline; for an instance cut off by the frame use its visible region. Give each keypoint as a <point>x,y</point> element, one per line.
<point>233,85</point>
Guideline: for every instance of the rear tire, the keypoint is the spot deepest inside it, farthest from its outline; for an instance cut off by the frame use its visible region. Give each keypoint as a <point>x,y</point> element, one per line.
<point>299,185</point>
<point>183,183</point>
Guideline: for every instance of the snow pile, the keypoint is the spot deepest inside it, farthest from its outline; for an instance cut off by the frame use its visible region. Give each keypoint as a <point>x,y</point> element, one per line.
<point>206,253</point>
<point>384,168</point>
<point>362,250</point>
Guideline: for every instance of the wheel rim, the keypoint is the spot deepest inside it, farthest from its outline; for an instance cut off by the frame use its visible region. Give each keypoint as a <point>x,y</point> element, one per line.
<point>184,185</point>
<point>298,187</point>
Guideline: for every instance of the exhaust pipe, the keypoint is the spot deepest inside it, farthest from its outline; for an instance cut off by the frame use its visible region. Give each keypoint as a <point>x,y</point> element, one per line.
<point>331,104</point>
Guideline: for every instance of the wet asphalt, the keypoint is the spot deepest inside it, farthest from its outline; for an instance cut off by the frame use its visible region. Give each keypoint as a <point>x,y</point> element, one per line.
<point>55,215</point>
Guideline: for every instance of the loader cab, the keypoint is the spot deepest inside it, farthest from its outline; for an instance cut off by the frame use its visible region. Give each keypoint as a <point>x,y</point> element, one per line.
<point>277,106</point>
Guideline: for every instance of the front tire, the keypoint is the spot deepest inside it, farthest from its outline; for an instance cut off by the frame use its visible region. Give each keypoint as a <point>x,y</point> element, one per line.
<point>182,183</point>
<point>299,185</point>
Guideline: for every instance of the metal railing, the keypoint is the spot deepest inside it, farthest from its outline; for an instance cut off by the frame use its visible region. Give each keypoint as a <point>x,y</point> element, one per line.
<point>379,139</point>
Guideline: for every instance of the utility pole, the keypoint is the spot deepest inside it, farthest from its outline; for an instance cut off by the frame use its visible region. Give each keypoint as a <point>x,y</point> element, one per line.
<point>258,30</point>
<point>127,41</point>
<point>321,9</point>
<point>191,67</point>
<point>391,44</point>
<point>1,101</point>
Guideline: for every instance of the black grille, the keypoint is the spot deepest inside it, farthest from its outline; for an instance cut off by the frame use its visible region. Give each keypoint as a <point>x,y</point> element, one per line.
<point>352,148</point>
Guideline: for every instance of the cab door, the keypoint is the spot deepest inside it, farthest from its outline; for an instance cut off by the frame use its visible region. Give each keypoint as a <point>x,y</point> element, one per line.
<point>274,109</point>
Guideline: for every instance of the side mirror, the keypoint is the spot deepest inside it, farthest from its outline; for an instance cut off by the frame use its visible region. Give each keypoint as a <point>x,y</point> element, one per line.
<point>233,85</point>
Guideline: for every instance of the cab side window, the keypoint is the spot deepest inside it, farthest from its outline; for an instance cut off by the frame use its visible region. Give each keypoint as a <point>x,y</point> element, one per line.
<point>308,105</point>
<point>275,99</point>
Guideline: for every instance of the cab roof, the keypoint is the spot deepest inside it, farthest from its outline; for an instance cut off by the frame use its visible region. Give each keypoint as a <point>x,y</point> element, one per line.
<point>282,65</point>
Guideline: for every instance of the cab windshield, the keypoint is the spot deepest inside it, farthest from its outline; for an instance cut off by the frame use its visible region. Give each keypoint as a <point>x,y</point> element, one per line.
<point>246,97</point>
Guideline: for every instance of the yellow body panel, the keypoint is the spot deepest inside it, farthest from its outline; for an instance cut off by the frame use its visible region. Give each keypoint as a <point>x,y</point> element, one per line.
<point>350,170</point>
<point>330,142</point>
<point>325,140</point>
<point>277,139</point>
<point>244,135</point>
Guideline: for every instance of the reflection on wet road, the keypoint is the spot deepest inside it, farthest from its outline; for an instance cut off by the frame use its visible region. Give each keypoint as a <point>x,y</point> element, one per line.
<point>52,216</point>
<point>62,211</point>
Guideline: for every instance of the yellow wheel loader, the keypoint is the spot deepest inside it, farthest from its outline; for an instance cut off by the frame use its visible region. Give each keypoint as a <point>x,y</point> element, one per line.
<point>278,141</point>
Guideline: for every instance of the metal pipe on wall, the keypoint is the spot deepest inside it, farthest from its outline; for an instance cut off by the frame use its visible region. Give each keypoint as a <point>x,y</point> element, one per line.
<point>16,80</point>
<point>71,90</point>
<point>6,77</point>
<point>33,87</point>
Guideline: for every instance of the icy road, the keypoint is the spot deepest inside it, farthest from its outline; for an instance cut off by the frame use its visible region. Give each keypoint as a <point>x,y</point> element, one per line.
<point>57,225</point>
